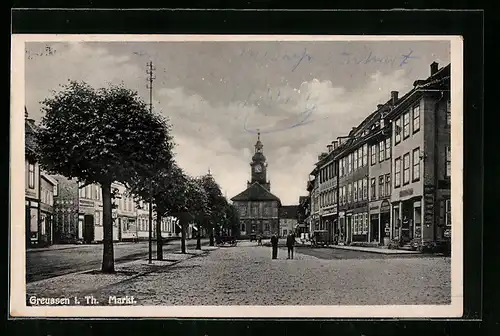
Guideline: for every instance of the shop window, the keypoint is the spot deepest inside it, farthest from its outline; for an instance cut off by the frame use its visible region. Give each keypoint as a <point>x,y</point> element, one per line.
<point>355,224</point>
<point>373,154</point>
<point>447,205</point>
<point>416,118</point>
<point>406,168</point>
<point>381,151</point>
<point>365,228</point>
<point>387,148</point>
<point>381,190</point>
<point>373,189</point>
<point>448,161</point>
<point>416,165</point>
<point>406,125</point>
<point>397,131</point>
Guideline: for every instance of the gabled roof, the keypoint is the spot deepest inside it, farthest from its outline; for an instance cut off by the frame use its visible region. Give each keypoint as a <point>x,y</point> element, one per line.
<point>29,136</point>
<point>288,211</point>
<point>255,192</point>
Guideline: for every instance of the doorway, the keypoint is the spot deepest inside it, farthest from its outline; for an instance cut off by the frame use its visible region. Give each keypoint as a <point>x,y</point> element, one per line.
<point>88,229</point>
<point>385,231</point>
<point>374,228</point>
<point>348,229</point>
<point>407,221</point>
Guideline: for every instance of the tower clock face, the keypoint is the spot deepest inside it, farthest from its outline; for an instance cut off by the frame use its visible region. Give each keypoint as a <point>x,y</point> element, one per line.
<point>258,168</point>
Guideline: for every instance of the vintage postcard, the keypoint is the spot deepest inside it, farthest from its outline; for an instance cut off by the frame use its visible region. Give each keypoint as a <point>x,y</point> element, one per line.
<point>236,176</point>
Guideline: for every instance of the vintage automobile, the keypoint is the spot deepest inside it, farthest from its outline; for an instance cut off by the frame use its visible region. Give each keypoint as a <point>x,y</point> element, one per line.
<point>319,238</point>
<point>224,241</point>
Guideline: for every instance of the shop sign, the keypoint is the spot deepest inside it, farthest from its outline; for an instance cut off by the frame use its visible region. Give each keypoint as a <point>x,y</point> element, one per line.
<point>31,193</point>
<point>406,192</point>
<point>429,205</point>
<point>385,206</point>
<point>374,207</point>
<point>86,203</point>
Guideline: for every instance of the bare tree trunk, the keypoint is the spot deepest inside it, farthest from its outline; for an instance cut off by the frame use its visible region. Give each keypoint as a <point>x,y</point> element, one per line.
<point>159,238</point>
<point>198,236</point>
<point>211,235</point>
<point>182,221</point>
<point>108,259</point>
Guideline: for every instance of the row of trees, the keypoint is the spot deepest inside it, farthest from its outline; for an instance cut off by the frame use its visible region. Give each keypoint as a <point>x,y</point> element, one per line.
<point>110,135</point>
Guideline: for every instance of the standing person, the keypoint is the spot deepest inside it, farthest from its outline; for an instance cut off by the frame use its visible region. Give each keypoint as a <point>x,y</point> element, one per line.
<point>274,244</point>
<point>290,242</point>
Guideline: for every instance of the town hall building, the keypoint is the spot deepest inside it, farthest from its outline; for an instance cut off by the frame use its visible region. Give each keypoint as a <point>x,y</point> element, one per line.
<point>257,206</point>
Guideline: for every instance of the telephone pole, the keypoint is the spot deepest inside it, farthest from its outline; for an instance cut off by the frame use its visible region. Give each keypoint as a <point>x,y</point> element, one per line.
<point>150,72</point>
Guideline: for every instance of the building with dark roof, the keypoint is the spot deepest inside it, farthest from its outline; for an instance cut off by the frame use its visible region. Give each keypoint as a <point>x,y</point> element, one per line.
<point>257,206</point>
<point>288,219</point>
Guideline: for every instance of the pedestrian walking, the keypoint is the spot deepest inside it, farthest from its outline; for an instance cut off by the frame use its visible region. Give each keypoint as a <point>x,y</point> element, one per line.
<point>274,244</point>
<point>290,243</point>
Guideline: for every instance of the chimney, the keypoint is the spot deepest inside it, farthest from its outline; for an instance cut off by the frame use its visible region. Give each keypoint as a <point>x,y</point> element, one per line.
<point>330,148</point>
<point>335,144</point>
<point>434,68</point>
<point>394,97</point>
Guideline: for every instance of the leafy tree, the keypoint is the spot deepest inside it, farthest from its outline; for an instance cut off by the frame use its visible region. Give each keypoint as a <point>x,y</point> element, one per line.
<point>99,136</point>
<point>216,204</point>
<point>232,222</point>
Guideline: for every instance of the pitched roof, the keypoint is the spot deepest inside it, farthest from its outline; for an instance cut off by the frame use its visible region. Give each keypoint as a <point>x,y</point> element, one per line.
<point>255,192</point>
<point>29,136</point>
<point>288,211</point>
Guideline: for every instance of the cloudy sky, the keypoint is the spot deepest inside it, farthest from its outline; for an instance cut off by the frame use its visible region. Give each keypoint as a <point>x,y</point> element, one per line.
<point>301,95</point>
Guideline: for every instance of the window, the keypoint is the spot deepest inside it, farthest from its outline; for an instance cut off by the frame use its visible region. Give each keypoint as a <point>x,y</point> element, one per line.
<point>349,193</point>
<point>365,188</point>
<point>365,155</point>
<point>381,151</point>
<point>447,208</point>
<point>388,184</point>
<point>31,175</point>
<point>348,168</point>
<point>373,154</point>
<point>448,113</point>
<point>406,168</point>
<point>381,186</point>
<point>406,125</point>
<point>355,191</point>
<point>355,160</point>
<point>416,118</point>
<point>360,190</point>
<point>387,148</point>
<point>373,188</point>
<point>448,161</point>
<point>416,165</point>
<point>397,131</point>
<point>397,173</point>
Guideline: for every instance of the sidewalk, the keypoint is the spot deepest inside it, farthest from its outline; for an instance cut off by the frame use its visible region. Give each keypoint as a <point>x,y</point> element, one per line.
<point>84,282</point>
<point>365,249</point>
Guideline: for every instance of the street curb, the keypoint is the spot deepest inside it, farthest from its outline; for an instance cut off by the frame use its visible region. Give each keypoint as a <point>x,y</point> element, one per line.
<point>77,246</point>
<point>191,256</point>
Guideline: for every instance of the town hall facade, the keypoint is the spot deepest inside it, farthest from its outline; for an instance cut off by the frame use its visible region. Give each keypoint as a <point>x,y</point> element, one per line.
<point>257,206</point>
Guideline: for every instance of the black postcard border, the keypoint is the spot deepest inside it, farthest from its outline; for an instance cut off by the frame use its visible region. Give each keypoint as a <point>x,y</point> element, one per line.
<point>468,24</point>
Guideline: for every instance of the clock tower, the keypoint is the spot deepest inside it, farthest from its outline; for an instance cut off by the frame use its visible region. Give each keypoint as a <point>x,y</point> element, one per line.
<point>259,166</point>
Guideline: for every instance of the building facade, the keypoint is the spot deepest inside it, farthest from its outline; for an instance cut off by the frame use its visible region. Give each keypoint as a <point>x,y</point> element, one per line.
<point>393,170</point>
<point>288,219</point>
<point>32,184</point>
<point>79,214</point>
<point>257,206</point>
<point>48,189</point>
<point>421,161</point>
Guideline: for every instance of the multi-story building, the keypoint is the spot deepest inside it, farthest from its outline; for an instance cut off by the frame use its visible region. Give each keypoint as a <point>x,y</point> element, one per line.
<point>78,214</point>
<point>421,160</point>
<point>353,184</point>
<point>380,151</point>
<point>32,184</point>
<point>313,188</point>
<point>328,191</point>
<point>288,219</point>
<point>302,215</point>
<point>48,189</point>
<point>257,206</point>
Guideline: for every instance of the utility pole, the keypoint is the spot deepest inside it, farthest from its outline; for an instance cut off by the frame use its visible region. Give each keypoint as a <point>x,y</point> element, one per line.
<point>150,73</point>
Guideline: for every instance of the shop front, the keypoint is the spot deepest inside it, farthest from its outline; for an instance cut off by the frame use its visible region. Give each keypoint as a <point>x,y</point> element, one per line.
<point>31,220</point>
<point>380,213</point>
<point>329,223</point>
<point>407,219</point>
<point>46,228</point>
